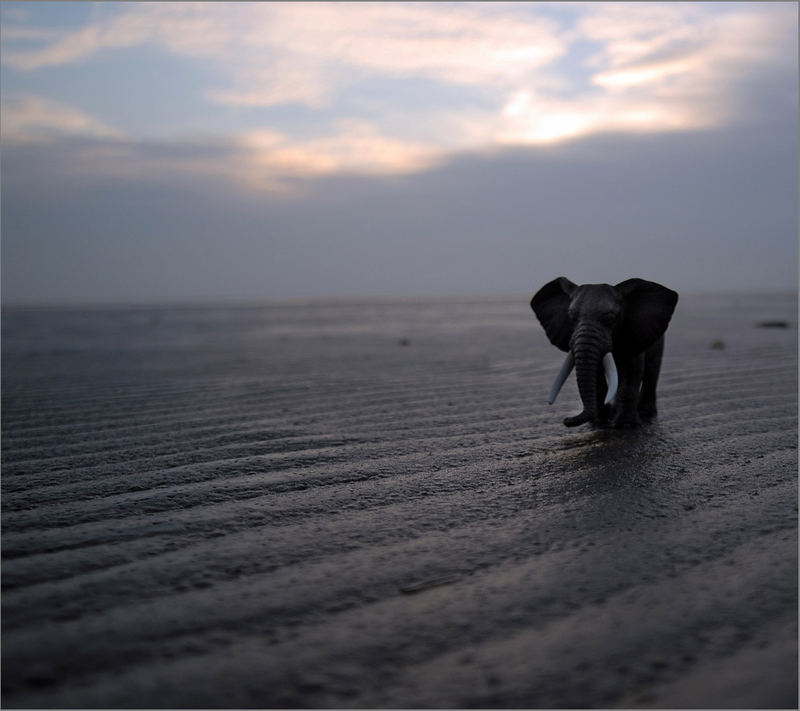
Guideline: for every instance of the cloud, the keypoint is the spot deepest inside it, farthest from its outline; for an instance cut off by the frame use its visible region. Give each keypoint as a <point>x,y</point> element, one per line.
<point>439,148</point>
<point>530,118</point>
<point>257,160</point>
<point>357,147</point>
<point>689,58</point>
<point>180,29</point>
<point>33,118</point>
<point>694,210</point>
<point>653,67</point>
<point>299,52</point>
<point>460,44</point>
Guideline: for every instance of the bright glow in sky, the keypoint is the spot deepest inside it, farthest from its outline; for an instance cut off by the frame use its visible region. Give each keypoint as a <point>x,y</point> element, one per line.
<point>318,88</point>
<point>265,97</point>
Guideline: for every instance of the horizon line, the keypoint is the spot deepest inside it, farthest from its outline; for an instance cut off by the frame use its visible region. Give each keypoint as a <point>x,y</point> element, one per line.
<point>354,299</point>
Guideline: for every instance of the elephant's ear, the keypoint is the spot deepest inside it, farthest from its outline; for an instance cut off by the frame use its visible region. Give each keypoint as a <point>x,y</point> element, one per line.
<point>551,304</point>
<point>648,309</point>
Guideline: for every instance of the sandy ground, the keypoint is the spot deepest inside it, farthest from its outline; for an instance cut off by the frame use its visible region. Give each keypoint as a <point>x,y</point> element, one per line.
<point>373,506</point>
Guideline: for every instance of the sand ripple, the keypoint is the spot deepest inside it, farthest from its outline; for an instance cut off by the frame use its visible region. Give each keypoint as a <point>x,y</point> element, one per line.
<point>372,506</point>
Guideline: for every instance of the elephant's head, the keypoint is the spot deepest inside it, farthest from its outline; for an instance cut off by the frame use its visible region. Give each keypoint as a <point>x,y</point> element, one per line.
<point>598,323</point>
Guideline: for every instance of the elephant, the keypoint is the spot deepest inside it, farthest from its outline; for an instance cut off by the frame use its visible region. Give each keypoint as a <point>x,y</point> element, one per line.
<point>614,338</point>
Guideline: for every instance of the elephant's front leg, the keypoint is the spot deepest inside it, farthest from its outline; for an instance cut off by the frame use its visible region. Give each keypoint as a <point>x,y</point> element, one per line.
<point>626,404</point>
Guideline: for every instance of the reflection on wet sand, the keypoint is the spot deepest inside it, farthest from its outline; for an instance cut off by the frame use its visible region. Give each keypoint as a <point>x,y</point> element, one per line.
<point>333,505</point>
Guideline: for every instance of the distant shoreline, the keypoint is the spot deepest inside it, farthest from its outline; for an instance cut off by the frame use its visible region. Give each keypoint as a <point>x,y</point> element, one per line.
<point>338,301</point>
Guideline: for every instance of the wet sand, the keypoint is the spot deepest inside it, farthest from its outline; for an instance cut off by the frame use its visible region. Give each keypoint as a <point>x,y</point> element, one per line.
<point>359,506</point>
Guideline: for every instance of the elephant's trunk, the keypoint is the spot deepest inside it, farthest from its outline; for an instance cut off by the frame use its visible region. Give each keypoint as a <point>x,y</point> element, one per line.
<point>589,346</point>
<point>586,364</point>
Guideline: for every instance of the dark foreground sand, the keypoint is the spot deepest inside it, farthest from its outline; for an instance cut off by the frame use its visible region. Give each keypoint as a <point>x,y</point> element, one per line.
<point>372,506</point>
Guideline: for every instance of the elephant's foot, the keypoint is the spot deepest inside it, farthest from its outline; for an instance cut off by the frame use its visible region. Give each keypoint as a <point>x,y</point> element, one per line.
<point>647,411</point>
<point>578,419</point>
<point>603,418</point>
<point>627,419</point>
<point>605,414</point>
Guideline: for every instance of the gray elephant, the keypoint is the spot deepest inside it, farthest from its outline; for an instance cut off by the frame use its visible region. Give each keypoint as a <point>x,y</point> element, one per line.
<point>614,338</point>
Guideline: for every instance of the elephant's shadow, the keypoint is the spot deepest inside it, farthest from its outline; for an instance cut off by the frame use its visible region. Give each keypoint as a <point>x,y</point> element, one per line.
<point>618,478</point>
<point>606,457</point>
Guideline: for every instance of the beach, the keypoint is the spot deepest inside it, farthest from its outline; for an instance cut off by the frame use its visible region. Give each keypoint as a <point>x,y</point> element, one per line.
<point>371,505</point>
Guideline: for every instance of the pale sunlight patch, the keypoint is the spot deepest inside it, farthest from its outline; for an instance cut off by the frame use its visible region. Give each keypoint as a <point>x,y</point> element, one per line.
<point>532,119</point>
<point>270,157</point>
<point>637,76</point>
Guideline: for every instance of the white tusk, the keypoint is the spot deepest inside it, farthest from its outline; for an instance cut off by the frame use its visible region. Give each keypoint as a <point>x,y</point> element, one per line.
<point>612,378</point>
<point>566,368</point>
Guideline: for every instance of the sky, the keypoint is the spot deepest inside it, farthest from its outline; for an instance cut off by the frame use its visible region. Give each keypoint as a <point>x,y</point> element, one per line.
<point>163,152</point>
